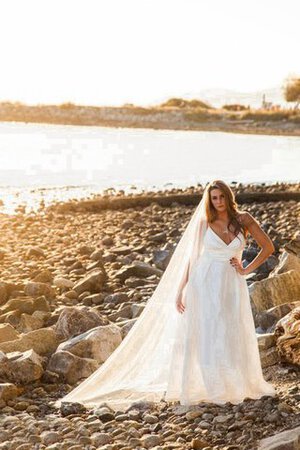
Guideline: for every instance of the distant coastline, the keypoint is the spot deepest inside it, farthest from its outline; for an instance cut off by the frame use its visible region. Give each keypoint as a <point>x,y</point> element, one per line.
<point>192,116</point>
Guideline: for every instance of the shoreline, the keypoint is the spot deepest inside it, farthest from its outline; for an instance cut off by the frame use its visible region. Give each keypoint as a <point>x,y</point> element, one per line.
<point>111,198</point>
<point>100,203</point>
<point>155,118</point>
<point>219,127</point>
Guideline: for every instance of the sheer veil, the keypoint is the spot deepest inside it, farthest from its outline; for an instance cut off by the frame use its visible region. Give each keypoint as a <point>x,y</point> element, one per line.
<point>139,368</point>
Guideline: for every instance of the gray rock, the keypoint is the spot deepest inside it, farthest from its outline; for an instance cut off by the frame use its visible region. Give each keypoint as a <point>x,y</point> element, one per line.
<point>158,237</point>
<point>116,298</point>
<point>92,282</point>
<point>286,440</point>
<point>138,269</point>
<point>125,312</point>
<point>101,438</point>
<point>266,320</point>
<point>266,341</point>
<point>50,437</point>
<point>61,282</point>
<point>269,357</point>
<point>71,368</point>
<point>76,320</point>
<point>150,440</point>
<point>162,257</point>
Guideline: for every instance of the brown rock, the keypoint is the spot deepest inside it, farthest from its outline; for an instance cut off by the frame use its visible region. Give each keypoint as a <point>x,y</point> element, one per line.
<point>76,320</point>
<point>4,293</point>
<point>26,305</point>
<point>276,290</point>
<point>35,252</point>
<point>37,289</point>
<point>20,367</point>
<point>43,341</point>
<point>8,333</point>
<point>97,343</point>
<point>71,368</point>
<point>44,276</point>
<point>8,391</point>
<point>287,333</point>
<point>92,282</point>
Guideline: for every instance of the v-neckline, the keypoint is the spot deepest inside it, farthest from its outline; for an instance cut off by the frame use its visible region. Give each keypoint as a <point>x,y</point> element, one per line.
<point>227,245</point>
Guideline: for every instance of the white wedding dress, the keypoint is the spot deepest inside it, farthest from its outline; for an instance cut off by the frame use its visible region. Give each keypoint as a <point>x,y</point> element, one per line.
<point>208,353</point>
<point>215,356</point>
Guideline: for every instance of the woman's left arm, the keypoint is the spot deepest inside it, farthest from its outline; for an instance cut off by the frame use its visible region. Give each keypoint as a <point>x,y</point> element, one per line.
<point>263,240</point>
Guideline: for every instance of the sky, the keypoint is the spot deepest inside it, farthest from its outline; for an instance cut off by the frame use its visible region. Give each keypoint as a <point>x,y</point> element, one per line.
<point>111,52</point>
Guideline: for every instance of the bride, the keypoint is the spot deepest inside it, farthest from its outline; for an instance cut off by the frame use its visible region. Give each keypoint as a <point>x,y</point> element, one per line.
<point>195,339</point>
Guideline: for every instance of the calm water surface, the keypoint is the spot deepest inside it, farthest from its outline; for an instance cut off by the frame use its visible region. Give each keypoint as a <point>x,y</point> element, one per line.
<point>58,162</point>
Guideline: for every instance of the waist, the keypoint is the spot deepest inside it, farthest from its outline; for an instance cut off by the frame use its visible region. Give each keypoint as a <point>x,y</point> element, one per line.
<point>219,255</point>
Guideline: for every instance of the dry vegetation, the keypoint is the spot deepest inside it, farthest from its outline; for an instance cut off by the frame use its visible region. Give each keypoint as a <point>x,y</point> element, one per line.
<point>176,114</point>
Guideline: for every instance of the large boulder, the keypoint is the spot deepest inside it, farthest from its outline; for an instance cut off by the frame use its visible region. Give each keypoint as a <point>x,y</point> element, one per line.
<point>76,320</point>
<point>20,367</point>
<point>97,343</point>
<point>92,282</point>
<point>281,288</point>
<point>287,261</point>
<point>43,341</point>
<point>71,368</point>
<point>286,440</point>
<point>269,357</point>
<point>265,321</point>
<point>287,332</point>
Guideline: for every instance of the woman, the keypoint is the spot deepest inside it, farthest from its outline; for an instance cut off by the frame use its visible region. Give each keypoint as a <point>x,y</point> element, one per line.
<point>217,358</point>
<point>209,352</point>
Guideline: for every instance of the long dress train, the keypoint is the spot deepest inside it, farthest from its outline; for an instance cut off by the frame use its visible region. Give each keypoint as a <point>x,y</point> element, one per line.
<point>208,353</point>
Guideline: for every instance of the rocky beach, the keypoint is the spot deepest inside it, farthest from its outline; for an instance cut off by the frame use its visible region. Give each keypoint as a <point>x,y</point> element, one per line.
<point>75,277</point>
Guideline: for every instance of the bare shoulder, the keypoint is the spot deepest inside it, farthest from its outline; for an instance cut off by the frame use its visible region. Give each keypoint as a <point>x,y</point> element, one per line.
<point>246,219</point>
